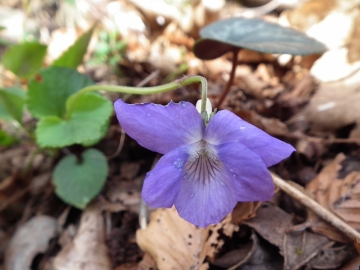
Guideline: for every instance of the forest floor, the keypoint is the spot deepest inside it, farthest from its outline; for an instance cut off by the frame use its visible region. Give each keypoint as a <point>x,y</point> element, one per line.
<point>311,102</point>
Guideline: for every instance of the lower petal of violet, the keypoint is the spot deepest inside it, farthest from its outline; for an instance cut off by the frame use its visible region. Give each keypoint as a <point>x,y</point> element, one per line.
<point>249,175</point>
<point>206,195</point>
<point>162,184</point>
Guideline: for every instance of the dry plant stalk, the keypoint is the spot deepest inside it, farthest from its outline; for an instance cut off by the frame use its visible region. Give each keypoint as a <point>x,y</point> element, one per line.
<point>316,207</point>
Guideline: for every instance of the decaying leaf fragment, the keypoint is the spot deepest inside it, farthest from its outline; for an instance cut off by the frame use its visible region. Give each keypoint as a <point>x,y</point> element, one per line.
<point>30,239</point>
<point>340,195</point>
<point>176,244</point>
<point>88,250</point>
<point>297,247</point>
<point>250,256</point>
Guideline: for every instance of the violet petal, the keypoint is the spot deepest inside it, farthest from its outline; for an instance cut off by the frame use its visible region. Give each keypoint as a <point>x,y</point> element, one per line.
<point>226,127</point>
<point>206,195</point>
<point>249,175</point>
<point>160,128</point>
<point>162,184</point>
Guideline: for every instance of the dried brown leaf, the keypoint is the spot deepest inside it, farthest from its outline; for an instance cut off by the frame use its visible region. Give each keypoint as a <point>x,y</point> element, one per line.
<point>88,250</point>
<point>275,225</point>
<point>176,244</point>
<point>250,256</point>
<point>335,105</point>
<point>341,196</point>
<point>244,211</point>
<point>301,92</point>
<point>333,256</point>
<point>30,239</point>
<point>272,126</point>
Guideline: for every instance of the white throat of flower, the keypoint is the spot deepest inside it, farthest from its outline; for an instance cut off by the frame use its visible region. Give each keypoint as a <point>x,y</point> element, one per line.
<point>203,165</point>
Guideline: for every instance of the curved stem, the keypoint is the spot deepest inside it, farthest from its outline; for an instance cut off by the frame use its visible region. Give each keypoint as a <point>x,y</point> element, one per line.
<point>231,79</point>
<point>191,79</point>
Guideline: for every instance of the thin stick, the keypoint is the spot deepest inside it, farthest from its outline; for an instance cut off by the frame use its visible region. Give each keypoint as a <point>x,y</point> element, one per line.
<point>316,207</point>
<point>231,79</point>
<point>143,212</point>
<point>120,146</point>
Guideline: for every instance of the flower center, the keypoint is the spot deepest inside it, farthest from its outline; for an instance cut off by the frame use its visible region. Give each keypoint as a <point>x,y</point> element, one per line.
<point>204,164</point>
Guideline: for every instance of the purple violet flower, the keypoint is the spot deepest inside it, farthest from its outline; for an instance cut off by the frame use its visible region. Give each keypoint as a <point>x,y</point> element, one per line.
<point>205,170</point>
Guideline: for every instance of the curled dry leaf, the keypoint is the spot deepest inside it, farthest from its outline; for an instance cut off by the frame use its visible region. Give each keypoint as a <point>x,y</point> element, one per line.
<point>176,244</point>
<point>88,250</point>
<point>340,195</point>
<point>334,106</point>
<point>30,239</point>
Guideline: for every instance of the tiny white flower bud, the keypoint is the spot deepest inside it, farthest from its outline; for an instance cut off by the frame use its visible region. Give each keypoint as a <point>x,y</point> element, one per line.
<point>208,106</point>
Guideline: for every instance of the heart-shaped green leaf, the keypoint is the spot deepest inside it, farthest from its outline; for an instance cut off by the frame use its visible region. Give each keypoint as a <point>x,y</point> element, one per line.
<point>77,182</point>
<point>227,35</point>
<point>103,131</point>
<point>24,59</point>
<point>12,102</point>
<point>50,89</point>
<point>89,113</point>
<point>73,56</point>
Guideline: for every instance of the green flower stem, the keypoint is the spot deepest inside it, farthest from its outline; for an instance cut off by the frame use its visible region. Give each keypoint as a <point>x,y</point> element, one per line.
<point>191,79</point>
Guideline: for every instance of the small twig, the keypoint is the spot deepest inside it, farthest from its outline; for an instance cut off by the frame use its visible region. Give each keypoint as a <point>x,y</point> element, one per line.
<point>120,146</point>
<point>14,198</point>
<point>231,79</point>
<point>151,76</point>
<point>145,81</point>
<point>316,207</point>
<point>143,212</point>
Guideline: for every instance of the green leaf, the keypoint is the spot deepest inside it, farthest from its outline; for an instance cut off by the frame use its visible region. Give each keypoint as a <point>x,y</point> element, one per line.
<point>6,139</point>
<point>25,59</point>
<point>73,56</point>
<point>88,115</point>
<point>12,102</point>
<point>50,89</point>
<point>103,131</point>
<point>78,182</point>
<point>227,35</point>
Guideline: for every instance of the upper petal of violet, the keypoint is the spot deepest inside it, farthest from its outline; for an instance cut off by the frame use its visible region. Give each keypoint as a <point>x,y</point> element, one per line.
<point>160,128</point>
<point>226,127</point>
